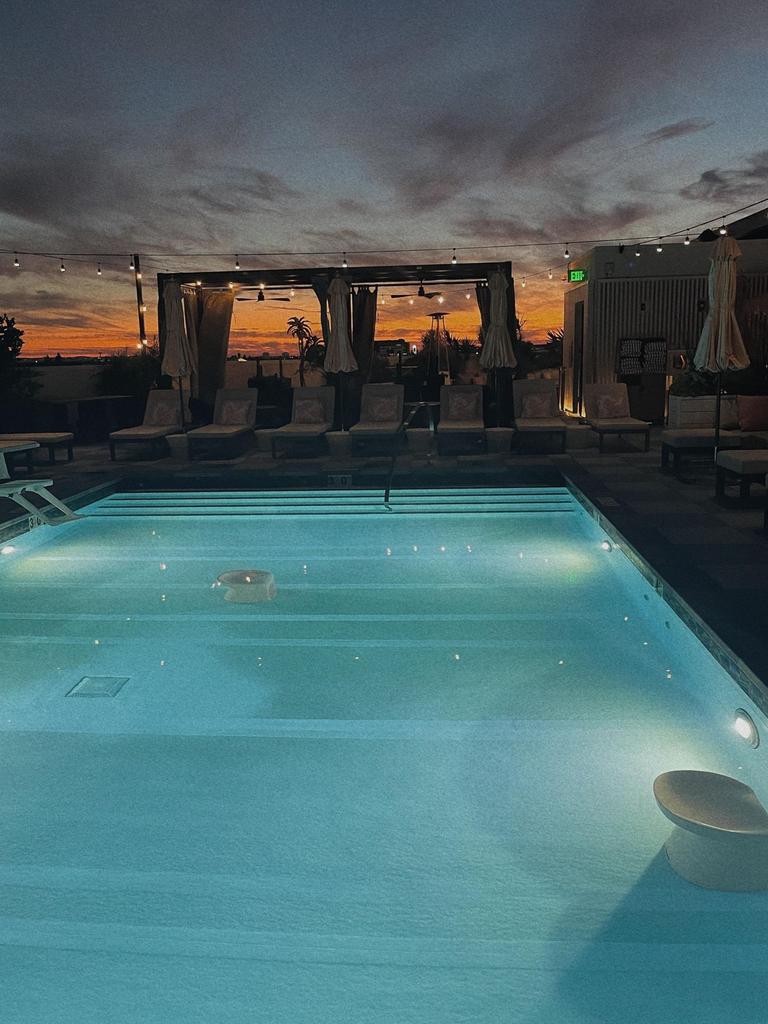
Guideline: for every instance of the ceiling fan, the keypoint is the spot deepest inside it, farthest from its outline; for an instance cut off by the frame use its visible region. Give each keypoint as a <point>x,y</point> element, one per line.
<point>260,298</point>
<point>420,294</point>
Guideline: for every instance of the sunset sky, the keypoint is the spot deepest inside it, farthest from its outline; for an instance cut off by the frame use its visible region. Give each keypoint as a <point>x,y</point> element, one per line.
<point>242,127</point>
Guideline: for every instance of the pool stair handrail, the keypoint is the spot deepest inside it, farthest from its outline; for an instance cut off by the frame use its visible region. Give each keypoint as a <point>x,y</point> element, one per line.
<point>14,491</point>
<point>396,451</point>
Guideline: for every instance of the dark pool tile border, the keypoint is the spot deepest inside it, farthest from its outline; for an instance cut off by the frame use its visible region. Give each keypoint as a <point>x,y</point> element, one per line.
<point>750,683</point>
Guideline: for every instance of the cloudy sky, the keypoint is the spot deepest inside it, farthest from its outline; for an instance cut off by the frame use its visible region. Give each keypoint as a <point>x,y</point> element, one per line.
<point>238,127</point>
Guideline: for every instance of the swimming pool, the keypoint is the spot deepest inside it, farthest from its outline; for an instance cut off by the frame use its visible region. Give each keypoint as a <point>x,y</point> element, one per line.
<point>414,787</point>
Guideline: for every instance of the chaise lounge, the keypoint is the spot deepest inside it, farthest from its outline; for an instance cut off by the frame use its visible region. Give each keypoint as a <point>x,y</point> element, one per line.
<point>234,421</point>
<point>536,409</point>
<point>381,418</point>
<point>53,441</point>
<point>161,417</point>
<point>311,418</point>
<point>461,425</point>
<point>607,409</point>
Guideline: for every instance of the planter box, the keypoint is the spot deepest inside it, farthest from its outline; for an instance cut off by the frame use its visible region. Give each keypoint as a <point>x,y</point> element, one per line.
<point>685,412</point>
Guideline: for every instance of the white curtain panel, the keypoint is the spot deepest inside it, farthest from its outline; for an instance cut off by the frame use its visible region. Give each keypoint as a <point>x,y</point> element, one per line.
<point>339,357</point>
<point>497,346</point>
<point>179,358</point>
<point>721,346</point>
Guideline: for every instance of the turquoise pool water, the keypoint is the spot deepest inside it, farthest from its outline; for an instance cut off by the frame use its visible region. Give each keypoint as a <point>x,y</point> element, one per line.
<point>414,787</point>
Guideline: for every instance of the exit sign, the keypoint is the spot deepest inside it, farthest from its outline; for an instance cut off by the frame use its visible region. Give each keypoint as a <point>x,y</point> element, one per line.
<point>577,275</point>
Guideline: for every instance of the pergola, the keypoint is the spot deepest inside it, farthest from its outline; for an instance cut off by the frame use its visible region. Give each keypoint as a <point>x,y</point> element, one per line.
<point>209,297</point>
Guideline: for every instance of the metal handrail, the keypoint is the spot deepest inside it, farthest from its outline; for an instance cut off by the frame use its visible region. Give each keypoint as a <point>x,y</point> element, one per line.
<point>400,433</point>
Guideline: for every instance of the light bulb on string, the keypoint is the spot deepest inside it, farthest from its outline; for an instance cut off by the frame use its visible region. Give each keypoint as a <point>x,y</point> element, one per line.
<point>549,274</point>
<point>237,262</point>
<point>566,254</point>
<point>637,250</point>
<point>469,296</point>
<point>344,261</point>
<point>454,261</point>
<point>523,282</point>
<point>98,270</point>
<point>292,292</point>
<point>16,260</point>
<point>659,246</point>
<point>131,265</point>
<point>62,268</point>
<point>687,240</point>
<point>723,228</point>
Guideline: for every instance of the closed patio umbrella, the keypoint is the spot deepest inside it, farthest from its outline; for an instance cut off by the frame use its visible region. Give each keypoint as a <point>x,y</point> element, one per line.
<point>179,359</point>
<point>339,357</point>
<point>721,346</point>
<point>497,353</point>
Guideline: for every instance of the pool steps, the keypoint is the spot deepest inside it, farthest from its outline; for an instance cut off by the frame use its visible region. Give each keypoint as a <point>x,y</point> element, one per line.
<point>334,503</point>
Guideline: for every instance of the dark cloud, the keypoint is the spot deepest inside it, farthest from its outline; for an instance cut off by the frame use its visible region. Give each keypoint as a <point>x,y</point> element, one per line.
<point>731,185</point>
<point>573,222</point>
<point>677,130</point>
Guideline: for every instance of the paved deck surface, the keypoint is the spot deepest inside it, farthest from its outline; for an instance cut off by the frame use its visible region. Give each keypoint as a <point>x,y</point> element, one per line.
<point>714,553</point>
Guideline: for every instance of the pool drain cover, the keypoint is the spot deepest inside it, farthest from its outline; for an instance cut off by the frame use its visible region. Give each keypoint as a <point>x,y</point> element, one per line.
<point>98,686</point>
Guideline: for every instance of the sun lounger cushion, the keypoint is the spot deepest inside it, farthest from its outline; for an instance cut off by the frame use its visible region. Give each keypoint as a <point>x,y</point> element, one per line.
<point>143,432</point>
<point>753,412</point>
<point>612,406</point>
<point>219,430</point>
<point>308,411</point>
<point>619,424</point>
<point>746,461</point>
<point>382,410</point>
<point>42,438</point>
<point>459,426</point>
<point>540,423</point>
<point>463,406</point>
<point>539,405</point>
<point>161,414</point>
<point>235,412</point>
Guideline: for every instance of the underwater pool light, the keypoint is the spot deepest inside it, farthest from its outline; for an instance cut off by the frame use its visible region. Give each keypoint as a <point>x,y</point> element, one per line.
<point>8,549</point>
<point>606,545</point>
<point>744,725</point>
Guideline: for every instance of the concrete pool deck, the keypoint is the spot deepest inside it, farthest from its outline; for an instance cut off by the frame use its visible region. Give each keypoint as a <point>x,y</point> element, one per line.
<point>713,553</point>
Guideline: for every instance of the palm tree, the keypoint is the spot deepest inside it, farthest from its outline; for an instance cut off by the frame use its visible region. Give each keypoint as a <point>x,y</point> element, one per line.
<point>300,329</point>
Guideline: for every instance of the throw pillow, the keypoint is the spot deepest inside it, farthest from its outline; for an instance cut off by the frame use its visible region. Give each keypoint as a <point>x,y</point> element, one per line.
<point>463,407</point>
<point>308,410</point>
<point>381,410</point>
<point>753,412</point>
<point>612,407</point>
<point>162,414</point>
<point>538,405</point>
<point>235,412</point>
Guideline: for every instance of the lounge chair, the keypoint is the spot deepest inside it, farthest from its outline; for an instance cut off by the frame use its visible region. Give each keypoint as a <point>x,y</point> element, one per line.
<point>607,408</point>
<point>234,421</point>
<point>744,467</point>
<point>51,441</point>
<point>381,417</point>
<point>536,408</point>
<point>461,418</point>
<point>311,418</point>
<point>695,441</point>
<point>161,417</point>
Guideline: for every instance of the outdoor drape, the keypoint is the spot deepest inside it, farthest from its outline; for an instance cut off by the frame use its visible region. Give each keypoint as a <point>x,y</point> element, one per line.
<point>212,342</point>
<point>320,288</point>
<point>179,357</point>
<point>721,346</point>
<point>339,357</point>
<point>483,297</point>
<point>497,344</point>
<point>364,327</point>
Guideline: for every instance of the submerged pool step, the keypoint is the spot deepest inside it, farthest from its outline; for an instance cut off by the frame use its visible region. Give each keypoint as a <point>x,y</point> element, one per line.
<point>334,503</point>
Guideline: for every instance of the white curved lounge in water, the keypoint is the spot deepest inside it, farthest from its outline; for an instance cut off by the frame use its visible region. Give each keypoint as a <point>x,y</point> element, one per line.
<point>720,839</point>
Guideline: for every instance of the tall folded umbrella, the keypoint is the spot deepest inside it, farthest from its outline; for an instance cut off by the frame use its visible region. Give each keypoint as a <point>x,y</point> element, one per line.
<point>721,346</point>
<point>179,357</point>
<point>497,353</point>
<point>339,357</point>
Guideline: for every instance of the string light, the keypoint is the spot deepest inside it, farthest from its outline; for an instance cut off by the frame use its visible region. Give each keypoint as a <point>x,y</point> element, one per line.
<point>344,261</point>
<point>131,265</point>
<point>659,246</point>
<point>549,274</point>
<point>16,260</point>
<point>523,282</point>
<point>62,268</point>
<point>637,250</point>
<point>687,240</point>
<point>469,296</point>
<point>237,262</point>
<point>292,293</point>
<point>723,228</point>
<point>566,254</point>
<point>98,269</point>
<point>454,261</point>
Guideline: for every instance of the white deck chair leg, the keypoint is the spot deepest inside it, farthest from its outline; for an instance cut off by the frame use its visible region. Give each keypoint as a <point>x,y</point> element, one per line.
<point>15,494</point>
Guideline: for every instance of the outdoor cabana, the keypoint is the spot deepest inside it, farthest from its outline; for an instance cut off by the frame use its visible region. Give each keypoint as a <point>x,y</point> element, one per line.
<point>209,296</point>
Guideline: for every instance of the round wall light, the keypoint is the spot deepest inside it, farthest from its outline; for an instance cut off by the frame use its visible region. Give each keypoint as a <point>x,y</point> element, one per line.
<point>745,727</point>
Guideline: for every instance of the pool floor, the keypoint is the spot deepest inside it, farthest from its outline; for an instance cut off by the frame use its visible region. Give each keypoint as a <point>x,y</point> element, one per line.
<point>414,787</point>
